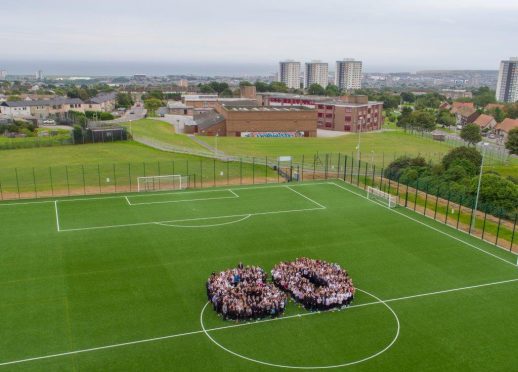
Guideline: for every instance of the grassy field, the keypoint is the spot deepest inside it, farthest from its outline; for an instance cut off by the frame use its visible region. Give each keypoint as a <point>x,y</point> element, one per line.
<point>116,283</point>
<point>162,132</point>
<point>373,145</point>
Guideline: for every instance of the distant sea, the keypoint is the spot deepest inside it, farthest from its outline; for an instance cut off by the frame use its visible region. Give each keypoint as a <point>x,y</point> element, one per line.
<point>76,68</point>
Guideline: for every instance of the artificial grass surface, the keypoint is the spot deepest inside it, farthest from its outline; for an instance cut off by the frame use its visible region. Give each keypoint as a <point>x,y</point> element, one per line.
<point>82,289</point>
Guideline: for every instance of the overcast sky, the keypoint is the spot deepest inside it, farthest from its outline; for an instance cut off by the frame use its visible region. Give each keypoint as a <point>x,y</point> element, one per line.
<point>390,35</point>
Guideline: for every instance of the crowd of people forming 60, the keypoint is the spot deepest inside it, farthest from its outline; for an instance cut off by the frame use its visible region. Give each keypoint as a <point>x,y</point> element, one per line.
<point>243,292</point>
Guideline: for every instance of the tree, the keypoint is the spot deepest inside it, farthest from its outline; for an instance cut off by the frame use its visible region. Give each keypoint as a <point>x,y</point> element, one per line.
<point>423,120</point>
<point>497,192</point>
<point>152,104</point>
<point>471,134</point>
<point>245,83</point>
<point>332,90</point>
<point>462,153</point>
<point>498,114</point>
<point>218,87</point>
<point>316,90</point>
<point>511,110</point>
<point>277,86</point>
<point>261,87</point>
<point>483,95</point>
<point>124,100</point>
<point>404,119</point>
<point>512,141</point>
<point>227,93</point>
<point>206,88</point>
<point>446,118</point>
<point>429,100</point>
<point>408,97</point>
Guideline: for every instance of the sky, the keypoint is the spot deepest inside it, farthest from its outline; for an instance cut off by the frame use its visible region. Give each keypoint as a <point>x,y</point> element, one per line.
<point>388,36</point>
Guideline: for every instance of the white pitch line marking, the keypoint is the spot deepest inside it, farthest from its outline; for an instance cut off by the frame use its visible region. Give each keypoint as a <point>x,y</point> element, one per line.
<point>244,324</point>
<point>184,201</point>
<point>57,215</point>
<point>306,197</point>
<point>126,197</point>
<point>188,219</point>
<point>430,227</point>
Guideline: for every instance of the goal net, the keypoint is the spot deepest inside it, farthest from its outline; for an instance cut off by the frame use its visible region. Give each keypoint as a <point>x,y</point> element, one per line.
<point>168,182</point>
<point>382,197</point>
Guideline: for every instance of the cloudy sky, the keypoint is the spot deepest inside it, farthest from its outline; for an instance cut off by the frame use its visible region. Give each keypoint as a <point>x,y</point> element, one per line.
<point>388,35</point>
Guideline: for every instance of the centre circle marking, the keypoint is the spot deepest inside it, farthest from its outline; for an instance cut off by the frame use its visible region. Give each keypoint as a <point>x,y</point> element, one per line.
<point>394,339</point>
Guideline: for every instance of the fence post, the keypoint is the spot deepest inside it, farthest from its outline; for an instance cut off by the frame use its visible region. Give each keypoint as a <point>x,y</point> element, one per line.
<point>325,167</point>
<point>51,181</point>
<point>339,161</point>
<point>358,174</point>
<point>397,193</point>
<point>187,171</point>
<point>460,210</point>
<point>352,168</point>
<point>498,228</point>
<point>228,179</point>
<point>201,173</point>
<point>214,171</point>
<point>514,229</point>
<point>129,174</point>
<point>68,182</point>
<point>115,175</point>
<point>266,169</point>
<point>302,168</point>
<point>381,181</point>
<point>471,217</point>
<point>448,206</point>
<point>373,175</point>
<point>34,182</point>
<point>484,223</point>
<point>406,196</point>
<point>345,166</point>
<point>416,192</point>
<point>314,165</point>
<point>84,181</point>
<point>1,192</point>
<point>426,199</point>
<point>240,171</point>
<point>279,170</point>
<point>436,202</point>
<point>365,180</point>
<point>17,182</point>
<point>253,170</point>
<point>99,176</point>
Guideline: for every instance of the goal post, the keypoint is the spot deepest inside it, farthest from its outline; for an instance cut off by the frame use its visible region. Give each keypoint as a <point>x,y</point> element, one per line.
<point>382,197</point>
<point>159,183</point>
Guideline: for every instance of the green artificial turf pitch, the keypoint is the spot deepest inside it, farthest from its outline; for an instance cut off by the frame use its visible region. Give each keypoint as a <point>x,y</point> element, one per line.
<point>118,283</point>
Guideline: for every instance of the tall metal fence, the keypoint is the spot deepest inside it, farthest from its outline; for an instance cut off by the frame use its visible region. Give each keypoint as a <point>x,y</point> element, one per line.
<point>490,224</point>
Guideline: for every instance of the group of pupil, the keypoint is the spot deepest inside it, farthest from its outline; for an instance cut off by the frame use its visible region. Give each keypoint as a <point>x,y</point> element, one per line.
<point>244,293</point>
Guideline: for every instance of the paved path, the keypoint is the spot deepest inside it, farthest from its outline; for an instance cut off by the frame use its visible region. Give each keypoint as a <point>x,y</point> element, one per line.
<point>205,144</point>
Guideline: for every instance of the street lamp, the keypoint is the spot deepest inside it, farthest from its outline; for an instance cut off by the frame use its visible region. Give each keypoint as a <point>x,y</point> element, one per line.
<point>473,218</point>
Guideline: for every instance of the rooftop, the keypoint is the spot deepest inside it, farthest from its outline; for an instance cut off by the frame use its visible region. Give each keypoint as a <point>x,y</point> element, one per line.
<point>42,102</point>
<point>265,108</point>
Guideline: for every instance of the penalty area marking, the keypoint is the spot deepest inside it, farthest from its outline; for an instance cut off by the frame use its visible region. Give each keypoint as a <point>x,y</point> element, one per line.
<point>154,339</point>
<point>358,361</point>
<point>233,196</point>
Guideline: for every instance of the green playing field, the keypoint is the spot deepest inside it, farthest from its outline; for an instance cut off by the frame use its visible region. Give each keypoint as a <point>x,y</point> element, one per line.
<point>117,283</point>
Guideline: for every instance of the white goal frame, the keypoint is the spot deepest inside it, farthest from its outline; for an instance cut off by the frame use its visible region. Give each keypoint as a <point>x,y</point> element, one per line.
<point>159,183</point>
<point>376,194</point>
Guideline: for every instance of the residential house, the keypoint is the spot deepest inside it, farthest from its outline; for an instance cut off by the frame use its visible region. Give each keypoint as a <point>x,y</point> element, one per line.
<point>105,102</point>
<point>505,127</point>
<point>464,114</point>
<point>485,122</point>
<point>41,109</point>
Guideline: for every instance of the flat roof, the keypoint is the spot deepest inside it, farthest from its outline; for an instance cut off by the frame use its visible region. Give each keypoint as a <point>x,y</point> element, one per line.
<point>265,108</point>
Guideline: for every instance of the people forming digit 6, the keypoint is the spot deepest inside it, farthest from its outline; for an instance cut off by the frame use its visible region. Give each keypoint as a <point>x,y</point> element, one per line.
<point>243,293</point>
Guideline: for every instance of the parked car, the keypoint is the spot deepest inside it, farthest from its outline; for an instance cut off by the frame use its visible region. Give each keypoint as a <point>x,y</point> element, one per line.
<point>49,122</point>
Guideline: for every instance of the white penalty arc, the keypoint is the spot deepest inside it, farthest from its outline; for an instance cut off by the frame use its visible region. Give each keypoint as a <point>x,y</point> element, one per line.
<point>244,218</point>
<point>369,357</point>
